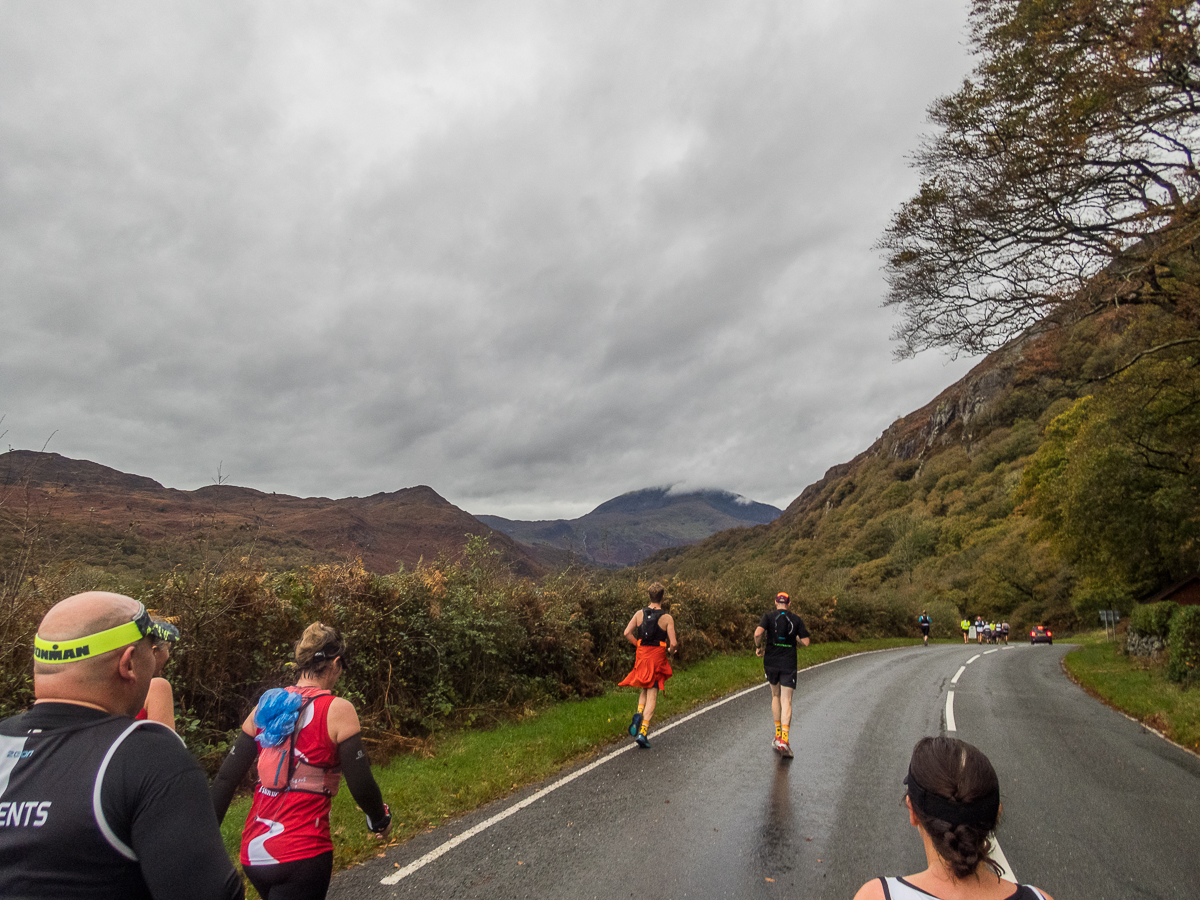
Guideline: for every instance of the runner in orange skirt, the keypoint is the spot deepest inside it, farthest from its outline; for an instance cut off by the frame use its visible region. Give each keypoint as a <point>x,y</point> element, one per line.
<point>652,631</point>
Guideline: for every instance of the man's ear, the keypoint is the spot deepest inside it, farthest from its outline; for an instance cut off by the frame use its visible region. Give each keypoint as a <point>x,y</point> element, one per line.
<point>125,666</point>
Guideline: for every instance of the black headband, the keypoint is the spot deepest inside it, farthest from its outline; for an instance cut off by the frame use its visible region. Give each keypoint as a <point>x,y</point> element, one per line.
<point>975,812</point>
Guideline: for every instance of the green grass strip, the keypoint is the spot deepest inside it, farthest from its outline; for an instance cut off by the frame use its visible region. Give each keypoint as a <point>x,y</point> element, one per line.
<point>1137,686</point>
<point>473,767</point>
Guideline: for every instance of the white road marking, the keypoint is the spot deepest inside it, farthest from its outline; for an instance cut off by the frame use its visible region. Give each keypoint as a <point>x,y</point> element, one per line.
<point>533,798</point>
<point>998,855</point>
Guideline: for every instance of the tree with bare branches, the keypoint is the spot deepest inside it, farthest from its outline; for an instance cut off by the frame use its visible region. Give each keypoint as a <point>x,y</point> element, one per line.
<point>1068,156</point>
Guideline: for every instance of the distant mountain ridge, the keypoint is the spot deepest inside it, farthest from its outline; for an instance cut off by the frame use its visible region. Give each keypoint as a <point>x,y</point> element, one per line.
<point>625,530</point>
<point>100,516</point>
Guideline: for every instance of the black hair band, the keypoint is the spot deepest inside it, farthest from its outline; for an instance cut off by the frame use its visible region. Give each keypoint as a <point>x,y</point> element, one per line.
<point>975,812</point>
<point>330,652</point>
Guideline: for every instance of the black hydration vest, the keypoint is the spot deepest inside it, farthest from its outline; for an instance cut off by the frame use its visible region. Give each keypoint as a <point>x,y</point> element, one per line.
<point>650,634</point>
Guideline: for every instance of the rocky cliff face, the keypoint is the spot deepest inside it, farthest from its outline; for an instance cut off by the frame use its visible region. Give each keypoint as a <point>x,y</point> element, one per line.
<point>1020,379</point>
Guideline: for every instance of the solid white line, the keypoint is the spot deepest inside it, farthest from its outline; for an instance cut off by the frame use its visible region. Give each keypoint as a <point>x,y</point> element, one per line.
<point>998,855</point>
<point>973,658</point>
<point>958,674</point>
<point>533,798</point>
<point>950,711</point>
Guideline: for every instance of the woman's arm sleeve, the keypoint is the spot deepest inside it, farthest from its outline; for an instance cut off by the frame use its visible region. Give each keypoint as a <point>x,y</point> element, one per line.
<point>233,770</point>
<point>352,757</point>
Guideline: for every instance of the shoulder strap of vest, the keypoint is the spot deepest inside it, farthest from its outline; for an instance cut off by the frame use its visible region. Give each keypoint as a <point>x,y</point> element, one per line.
<point>308,701</point>
<point>783,617</point>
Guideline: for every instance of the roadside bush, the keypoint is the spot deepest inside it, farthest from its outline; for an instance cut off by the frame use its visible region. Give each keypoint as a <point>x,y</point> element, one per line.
<point>1153,619</point>
<point>1149,626</point>
<point>452,641</point>
<point>1183,661</point>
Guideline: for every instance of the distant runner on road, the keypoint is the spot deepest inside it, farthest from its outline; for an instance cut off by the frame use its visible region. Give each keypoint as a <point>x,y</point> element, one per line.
<point>924,621</point>
<point>782,629</point>
<point>652,631</point>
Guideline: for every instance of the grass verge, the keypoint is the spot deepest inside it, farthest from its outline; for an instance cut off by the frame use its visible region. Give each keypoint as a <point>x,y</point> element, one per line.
<point>1136,686</point>
<point>469,768</point>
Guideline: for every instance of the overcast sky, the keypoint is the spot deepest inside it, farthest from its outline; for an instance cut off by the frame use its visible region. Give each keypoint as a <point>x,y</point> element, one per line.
<point>533,255</point>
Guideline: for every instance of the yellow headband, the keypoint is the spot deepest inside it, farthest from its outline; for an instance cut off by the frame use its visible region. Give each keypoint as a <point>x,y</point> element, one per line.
<point>92,645</point>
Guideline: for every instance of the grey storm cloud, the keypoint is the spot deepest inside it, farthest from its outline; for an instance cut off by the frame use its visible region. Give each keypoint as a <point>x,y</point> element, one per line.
<point>533,255</point>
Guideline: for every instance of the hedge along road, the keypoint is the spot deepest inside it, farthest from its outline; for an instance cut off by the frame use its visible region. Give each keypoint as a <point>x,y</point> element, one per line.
<point>1095,806</point>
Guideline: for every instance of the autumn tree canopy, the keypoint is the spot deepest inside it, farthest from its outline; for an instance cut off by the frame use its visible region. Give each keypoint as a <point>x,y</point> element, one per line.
<point>1068,155</point>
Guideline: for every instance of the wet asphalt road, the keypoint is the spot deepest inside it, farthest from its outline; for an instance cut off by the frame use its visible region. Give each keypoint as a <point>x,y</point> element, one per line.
<point>1095,806</point>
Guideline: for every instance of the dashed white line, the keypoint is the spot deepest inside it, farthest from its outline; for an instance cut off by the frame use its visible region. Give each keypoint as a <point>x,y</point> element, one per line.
<point>997,854</point>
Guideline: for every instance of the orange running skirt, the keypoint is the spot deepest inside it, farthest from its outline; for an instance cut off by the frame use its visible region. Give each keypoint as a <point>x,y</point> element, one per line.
<point>650,669</point>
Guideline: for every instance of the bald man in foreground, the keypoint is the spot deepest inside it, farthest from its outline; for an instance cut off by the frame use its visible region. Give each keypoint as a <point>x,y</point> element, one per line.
<point>92,802</point>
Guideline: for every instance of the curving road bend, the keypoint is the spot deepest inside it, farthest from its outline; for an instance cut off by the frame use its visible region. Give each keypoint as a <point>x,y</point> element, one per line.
<point>1095,806</point>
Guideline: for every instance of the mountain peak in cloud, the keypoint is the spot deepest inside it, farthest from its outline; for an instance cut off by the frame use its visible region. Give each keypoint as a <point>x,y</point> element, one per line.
<point>628,528</point>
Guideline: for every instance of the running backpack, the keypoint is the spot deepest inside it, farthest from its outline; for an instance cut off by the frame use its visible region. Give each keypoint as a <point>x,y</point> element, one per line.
<point>280,715</point>
<point>784,630</point>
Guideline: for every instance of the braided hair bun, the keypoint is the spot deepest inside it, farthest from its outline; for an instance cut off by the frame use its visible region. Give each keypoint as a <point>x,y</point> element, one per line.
<point>955,795</point>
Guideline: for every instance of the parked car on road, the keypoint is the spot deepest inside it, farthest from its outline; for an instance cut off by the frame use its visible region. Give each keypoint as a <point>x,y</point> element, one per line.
<point>1041,635</point>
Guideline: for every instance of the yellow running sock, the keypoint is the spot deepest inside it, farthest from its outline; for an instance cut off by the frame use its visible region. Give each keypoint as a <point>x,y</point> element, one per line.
<point>641,708</point>
<point>778,731</point>
<point>645,729</point>
<point>784,731</point>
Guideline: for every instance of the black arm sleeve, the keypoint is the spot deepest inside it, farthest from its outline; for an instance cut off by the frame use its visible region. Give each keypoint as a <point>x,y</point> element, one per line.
<point>233,770</point>
<point>352,757</point>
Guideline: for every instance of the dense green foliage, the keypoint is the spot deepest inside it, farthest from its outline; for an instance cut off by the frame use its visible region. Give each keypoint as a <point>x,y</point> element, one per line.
<point>1153,619</point>
<point>1183,662</point>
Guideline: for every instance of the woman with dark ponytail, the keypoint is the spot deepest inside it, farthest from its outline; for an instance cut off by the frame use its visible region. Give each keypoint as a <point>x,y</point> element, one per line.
<point>954,803</point>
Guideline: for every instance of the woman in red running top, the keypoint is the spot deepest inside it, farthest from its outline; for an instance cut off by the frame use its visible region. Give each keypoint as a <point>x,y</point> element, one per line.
<point>311,739</point>
<point>954,803</point>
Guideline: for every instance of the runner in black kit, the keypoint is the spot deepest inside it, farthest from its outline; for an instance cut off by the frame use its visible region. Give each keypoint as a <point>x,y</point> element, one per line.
<point>153,832</point>
<point>783,630</point>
